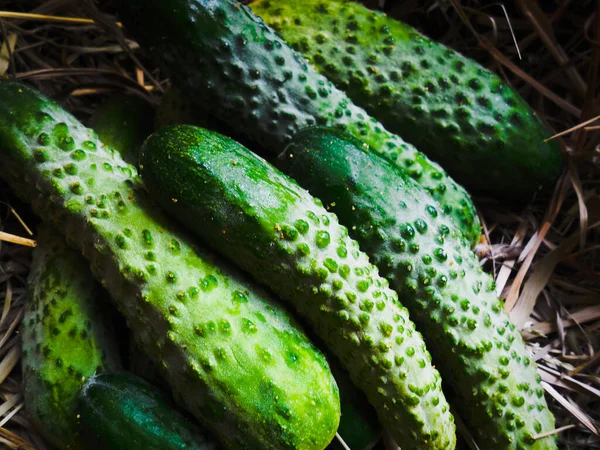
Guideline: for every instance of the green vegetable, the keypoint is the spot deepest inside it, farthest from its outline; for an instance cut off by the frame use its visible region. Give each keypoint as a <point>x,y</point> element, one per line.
<point>123,122</point>
<point>227,60</point>
<point>231,356</point>
<point>480,354</point>
<point>358,428</point>
<point>120,411</point>
<point>461,115</point>
<point>268,225</point>
<point>66,337</point>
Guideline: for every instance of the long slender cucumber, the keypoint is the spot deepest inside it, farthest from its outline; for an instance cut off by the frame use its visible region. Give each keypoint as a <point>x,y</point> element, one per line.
<point>225,58</point>
<point>66,335</point>
<point>271,227</point>
<point>233,357</point>
<point>481,356</point>
<point>460,114</point>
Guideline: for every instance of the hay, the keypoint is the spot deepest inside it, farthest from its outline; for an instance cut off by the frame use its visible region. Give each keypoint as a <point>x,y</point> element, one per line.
<point>544,257</point>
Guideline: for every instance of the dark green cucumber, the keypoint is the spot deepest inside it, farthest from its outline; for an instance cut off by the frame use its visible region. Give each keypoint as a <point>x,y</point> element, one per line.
<point>262,220</point>
<point>461,115</point>
<point>478,351</point>
<point>123,122</point>
<point>225,58</point>
<point>232,357</point>
<point>120,411</point>
<point>66,338</point>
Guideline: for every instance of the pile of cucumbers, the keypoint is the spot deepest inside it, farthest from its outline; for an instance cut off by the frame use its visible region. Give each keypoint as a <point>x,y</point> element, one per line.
<point>305,298</point>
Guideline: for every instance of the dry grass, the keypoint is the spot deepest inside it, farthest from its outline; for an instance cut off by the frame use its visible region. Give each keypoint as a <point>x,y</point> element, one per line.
<point>543,256</point>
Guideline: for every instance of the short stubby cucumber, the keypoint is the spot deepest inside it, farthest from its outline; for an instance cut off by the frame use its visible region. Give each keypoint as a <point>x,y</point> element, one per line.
<point>480,354</point>
<point>271,227</point>
<point>460,114</point>
<point>120,411</point>
<point>66,338</point>
<point>224,57</point>
<point>123,121</point>
<point>232,357</point>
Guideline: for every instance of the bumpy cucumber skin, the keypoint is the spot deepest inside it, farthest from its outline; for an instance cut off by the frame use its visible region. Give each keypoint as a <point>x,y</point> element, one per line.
<point>224,57</point>
<point>460,114</point>
<point>478,351</point>
<point>123,122</point>
<point>262,220</point>
<point>66,338</point>
<point>233,357</point>
<point>120,411</point>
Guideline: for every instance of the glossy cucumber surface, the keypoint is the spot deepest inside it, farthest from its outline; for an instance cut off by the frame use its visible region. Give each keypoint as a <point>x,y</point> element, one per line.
<point>120,411</point>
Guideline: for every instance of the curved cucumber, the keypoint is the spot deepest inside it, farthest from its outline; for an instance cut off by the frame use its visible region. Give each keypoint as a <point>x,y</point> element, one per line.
<point>232,357</point>
<point>225,58</point>
<point>478,351</point>
<point>119,411</point>
<point>66,338</point>
<point>123,122</point>
<point>461,115</point>
<point>268,225</point>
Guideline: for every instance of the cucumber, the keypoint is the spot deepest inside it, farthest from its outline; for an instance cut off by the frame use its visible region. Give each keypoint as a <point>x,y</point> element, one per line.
<point>232,357</point>
<point>123,121</point>
<point>358,428</point>
<point>120,411</point>
<point>263,221</point>
<point>66,337</point>
<point>223,57</point>
<point>480,354</point>
<point>458,113</point>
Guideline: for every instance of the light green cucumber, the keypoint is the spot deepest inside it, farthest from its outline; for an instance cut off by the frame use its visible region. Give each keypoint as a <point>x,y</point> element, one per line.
<point>66,336</point>
<point>460,114</point>
<point>224,58</point>
<point>232,357</point>
<point>491,378</point>
<point>271,227</point>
